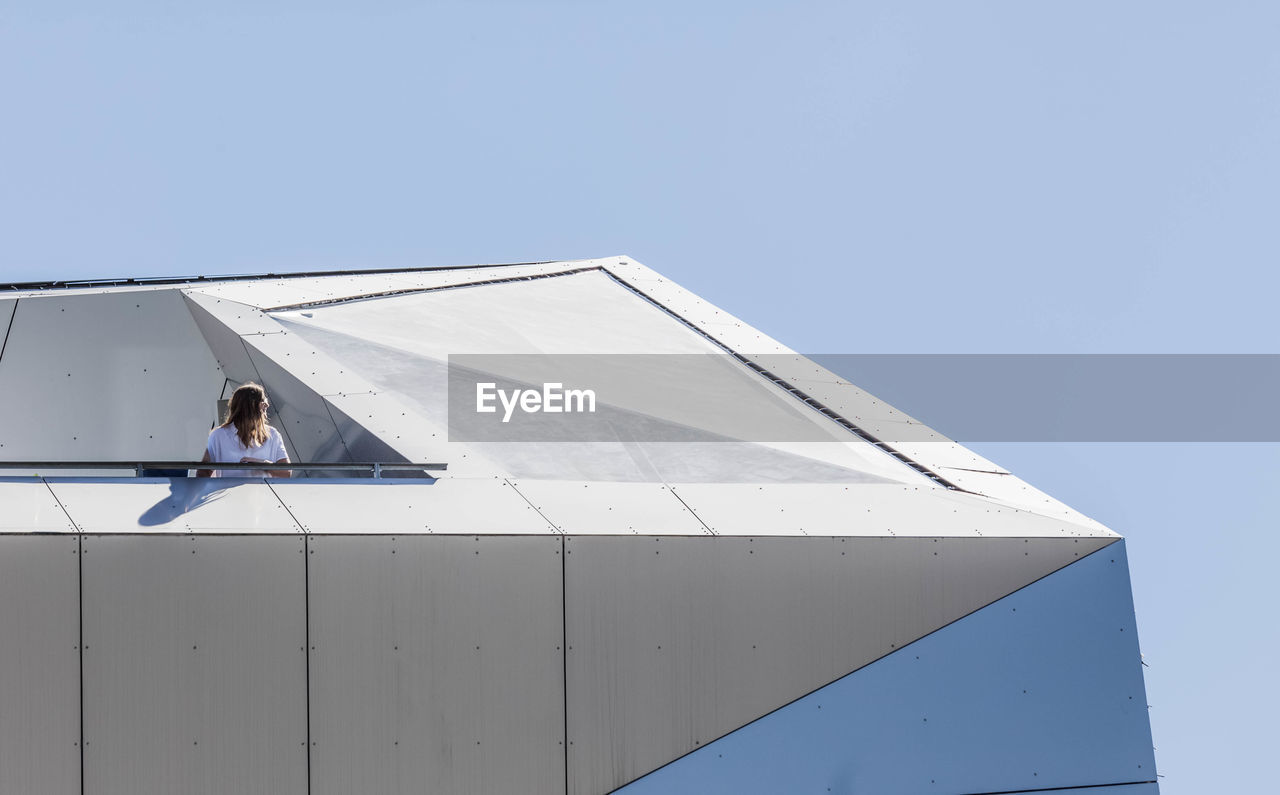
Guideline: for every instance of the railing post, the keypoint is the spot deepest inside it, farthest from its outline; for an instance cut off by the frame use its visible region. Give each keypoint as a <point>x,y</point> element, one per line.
<point>377,470</point>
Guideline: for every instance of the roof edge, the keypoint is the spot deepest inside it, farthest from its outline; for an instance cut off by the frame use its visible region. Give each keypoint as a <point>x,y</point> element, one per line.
<point>164,280</point>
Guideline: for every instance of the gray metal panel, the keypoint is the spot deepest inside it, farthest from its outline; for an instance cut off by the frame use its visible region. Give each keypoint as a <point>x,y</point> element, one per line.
<point>7,306</point>
<point>446,506</point>
<point>437,665</point>
<point>29,507</point>
<point>1040,691</point>
<point>111,376</point>
<point>673,642</point>
<point>174,505</point>
<point>39,664</point>
<point>600,508</point>
<point>194,665</point>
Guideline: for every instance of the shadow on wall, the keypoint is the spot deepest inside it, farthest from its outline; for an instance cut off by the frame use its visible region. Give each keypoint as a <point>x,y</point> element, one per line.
<point>185,495</point>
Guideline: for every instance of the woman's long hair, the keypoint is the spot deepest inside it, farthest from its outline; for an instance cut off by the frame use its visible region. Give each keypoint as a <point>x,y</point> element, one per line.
<point>244,411</point>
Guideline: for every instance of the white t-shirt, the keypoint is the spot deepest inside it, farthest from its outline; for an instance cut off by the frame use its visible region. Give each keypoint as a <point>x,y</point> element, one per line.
<point>224,448</point>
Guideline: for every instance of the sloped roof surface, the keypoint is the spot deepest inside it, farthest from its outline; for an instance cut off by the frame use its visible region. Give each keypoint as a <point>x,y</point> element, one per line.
<point>358,367</point>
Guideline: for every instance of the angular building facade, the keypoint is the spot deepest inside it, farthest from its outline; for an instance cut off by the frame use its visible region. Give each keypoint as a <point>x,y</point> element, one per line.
<point>740,574</point>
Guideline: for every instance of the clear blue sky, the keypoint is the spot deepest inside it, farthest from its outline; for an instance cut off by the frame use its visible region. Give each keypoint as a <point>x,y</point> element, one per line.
<point>897,177</point>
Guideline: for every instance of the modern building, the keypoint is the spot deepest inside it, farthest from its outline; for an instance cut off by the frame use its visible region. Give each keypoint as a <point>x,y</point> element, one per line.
<point>732,572</point>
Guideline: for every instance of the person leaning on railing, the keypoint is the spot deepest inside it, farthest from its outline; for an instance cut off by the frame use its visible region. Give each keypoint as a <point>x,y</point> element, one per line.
<point>245,436</point>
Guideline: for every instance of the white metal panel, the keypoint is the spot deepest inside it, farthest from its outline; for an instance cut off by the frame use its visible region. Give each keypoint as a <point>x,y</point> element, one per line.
<point>738,336</point>
<point>267,293</point>
<point>550,315</point>
<point>437,665</point>
<point>39,664</point>
<point>173,505</point>
<point>847,400</point>
<point>684,462</point>
<point>312,366</point>
<point>354,286</point>
<point>27,506</point>
<point>917,441</point>
<point>383,426</point>
<point>77,291</point>
<point>194,665</point>
<point>464,276</point>
<point>311,432</point>
<point>400,344</point>
<point>673,642</point>
<point>601,508</point>
<point>304,417</point>
<point>896,428</point>
<point>104,377</point>
<point>913,439</point>
<point>632,271</point>
<point>795,368</point>
<point>375,426</point>
<point>263,293</point>
<point>348,286</point>
<point>722,325</point>
<point>225,344</point>
<point>865,510</point>
<point>446,506</point>
<point>901,433</point>
<point>1007,489</point>
<point>242,319</point>
<point>946,454</point>
<point>855,456</point>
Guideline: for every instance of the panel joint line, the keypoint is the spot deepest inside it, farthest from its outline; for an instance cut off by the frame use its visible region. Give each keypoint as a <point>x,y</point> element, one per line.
<point>306,610</point>
<point>8,329</point>
<point>1075,788</point>
<point>80,612</point>
<point>564,648</point>
<point>284,426</point>
<point>306,639</point>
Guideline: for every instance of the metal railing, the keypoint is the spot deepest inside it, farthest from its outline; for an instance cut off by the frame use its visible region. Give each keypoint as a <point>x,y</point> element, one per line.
<point>376,468</point>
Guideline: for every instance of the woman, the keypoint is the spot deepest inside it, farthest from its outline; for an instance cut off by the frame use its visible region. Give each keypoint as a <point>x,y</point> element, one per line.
<point>246,437</point>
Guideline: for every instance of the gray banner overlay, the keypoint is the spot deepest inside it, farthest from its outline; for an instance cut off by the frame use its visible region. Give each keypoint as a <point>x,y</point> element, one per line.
<point>898,398</point>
